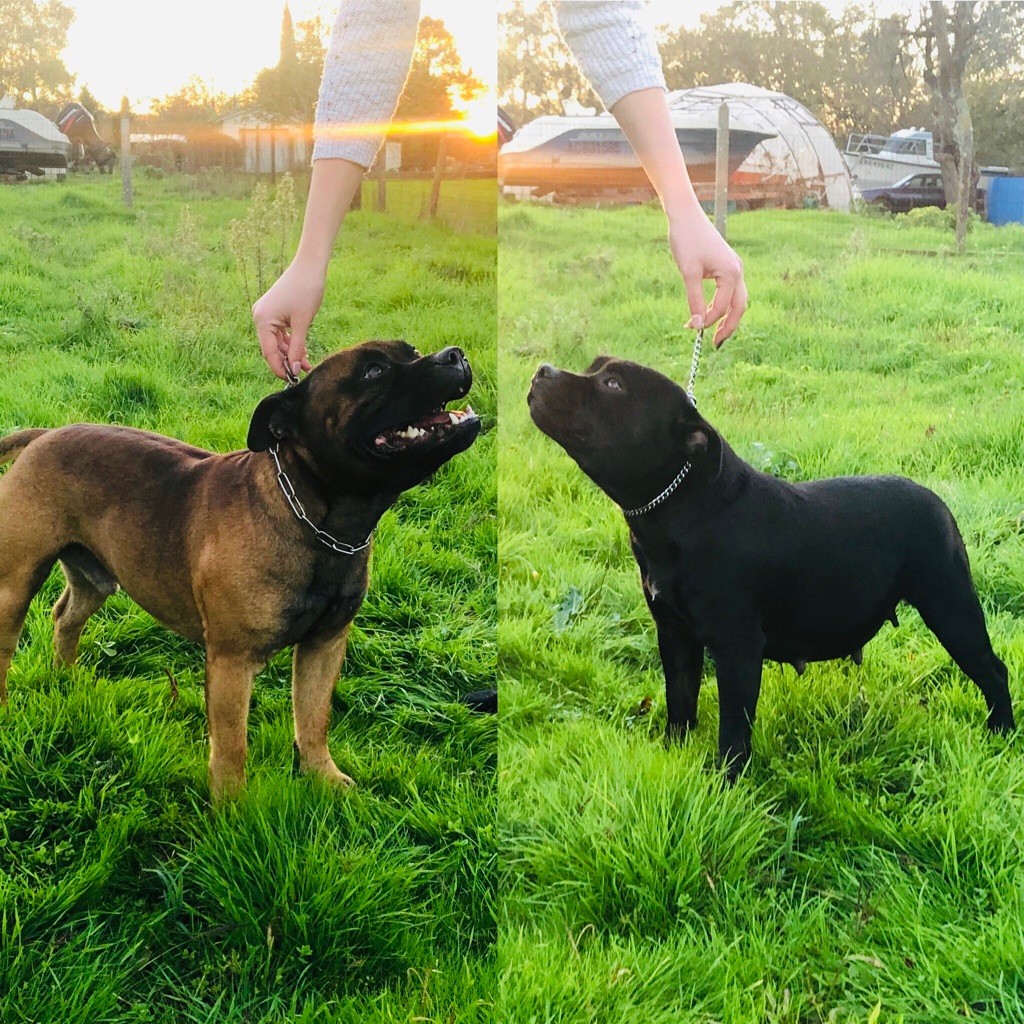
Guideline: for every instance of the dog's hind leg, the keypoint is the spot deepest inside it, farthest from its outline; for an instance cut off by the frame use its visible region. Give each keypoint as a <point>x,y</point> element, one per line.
<point>316,665</point>
<point>947,601</point>
<point>88,586</point>
<point>17,588</point>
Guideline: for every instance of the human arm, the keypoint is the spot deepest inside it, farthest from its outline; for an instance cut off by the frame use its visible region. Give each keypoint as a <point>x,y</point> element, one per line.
<point>618,54</point>
<point>364,71</point>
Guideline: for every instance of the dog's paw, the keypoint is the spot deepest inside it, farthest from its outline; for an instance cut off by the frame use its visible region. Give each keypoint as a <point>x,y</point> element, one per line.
<point>331,774</point>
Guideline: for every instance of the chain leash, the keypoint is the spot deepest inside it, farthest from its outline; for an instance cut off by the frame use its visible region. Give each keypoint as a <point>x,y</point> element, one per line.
<point>633,513</point>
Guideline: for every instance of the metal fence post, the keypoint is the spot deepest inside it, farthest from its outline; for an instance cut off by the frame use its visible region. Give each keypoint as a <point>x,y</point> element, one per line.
<point>435,187</point>
<point>722,169</point>
<point>126,152</point>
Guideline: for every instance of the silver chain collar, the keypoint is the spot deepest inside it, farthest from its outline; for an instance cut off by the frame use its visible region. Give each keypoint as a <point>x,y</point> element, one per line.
<point>323,536</point>
<point>632,513</point>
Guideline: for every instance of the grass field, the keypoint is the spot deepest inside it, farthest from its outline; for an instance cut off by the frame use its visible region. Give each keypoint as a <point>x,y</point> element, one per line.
<point>123,897</point>
<point>868,866</point>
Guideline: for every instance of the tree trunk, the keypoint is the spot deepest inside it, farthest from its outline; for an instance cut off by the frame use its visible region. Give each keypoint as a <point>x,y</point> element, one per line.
<point>966,173</point>
<point>945,65</point>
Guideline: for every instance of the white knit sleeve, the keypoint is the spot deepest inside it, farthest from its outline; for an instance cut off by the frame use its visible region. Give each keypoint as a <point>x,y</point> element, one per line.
<point>614,45</point>
<point>365,68</point>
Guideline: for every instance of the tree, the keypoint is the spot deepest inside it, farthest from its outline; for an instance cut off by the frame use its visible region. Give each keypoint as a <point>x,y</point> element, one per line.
<point>93,105</point>
<point>849,69</point>
<point>995,86</point>
<point>436,79</point>
<point>948,37</point>
<point>188,110</point>
<point>288,91</point>
<point>33,34</point>
<point>289,56</point>
<point>536,71</point>
<point>436,76</point>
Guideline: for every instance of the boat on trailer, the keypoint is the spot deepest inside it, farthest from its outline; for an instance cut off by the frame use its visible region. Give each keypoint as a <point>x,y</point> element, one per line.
<point>30,144</point>
<point>589,154</point>
<point>884,161</point>
<point>879,161</point>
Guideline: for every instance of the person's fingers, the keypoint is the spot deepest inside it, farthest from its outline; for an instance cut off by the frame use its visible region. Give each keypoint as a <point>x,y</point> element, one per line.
<point>724,292</point>
<point>269,338</point>
<point>732,319</point>
<point>693,279</point>
<point>296,355</point>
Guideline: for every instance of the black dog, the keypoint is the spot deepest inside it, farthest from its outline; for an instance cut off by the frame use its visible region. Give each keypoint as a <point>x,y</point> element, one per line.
<point>752,567</point>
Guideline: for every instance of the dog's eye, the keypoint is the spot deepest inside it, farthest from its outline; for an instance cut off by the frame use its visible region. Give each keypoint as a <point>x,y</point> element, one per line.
<point>374,370</point>
<point>612,384</point>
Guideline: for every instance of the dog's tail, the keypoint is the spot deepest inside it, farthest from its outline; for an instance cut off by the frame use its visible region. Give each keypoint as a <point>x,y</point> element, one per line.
<point>13,445</point>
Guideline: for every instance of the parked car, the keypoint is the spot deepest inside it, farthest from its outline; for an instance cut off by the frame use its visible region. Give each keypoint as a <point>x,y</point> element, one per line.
<point>921,189</point>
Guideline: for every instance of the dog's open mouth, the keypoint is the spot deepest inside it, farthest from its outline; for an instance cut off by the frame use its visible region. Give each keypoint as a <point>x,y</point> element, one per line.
<point>440,425</point>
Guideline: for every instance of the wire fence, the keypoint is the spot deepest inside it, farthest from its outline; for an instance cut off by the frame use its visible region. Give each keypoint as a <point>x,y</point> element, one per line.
<point>464,202</point>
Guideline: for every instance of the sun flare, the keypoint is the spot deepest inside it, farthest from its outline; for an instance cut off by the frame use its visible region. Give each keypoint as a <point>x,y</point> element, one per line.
<point>481,117</point>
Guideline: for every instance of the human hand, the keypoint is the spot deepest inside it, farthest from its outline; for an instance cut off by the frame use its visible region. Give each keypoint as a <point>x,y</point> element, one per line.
<point>283,315</point>
<point>702,254</point>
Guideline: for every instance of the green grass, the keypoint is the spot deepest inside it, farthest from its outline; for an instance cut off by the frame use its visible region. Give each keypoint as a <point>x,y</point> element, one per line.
<point>868,865</point>
<point>123,897</point>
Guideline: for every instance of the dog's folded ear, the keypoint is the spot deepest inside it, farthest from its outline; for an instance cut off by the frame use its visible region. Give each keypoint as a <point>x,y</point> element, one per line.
<point>275,418</point>
<point>702,445</point>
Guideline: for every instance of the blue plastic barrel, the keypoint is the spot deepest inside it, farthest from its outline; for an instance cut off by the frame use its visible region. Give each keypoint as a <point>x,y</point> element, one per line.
<point>1006,201</point>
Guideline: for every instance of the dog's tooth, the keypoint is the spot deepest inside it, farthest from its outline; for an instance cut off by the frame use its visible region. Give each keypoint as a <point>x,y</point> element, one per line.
<point>453,417</point>
<point>469,410</point>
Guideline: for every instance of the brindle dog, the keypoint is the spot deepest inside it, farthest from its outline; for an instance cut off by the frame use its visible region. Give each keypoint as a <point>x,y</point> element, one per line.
<point>210,546</point>
<point>748,567</point>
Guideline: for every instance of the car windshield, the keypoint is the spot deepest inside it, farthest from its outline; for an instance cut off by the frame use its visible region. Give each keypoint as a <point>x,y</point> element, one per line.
<point>918,180</point>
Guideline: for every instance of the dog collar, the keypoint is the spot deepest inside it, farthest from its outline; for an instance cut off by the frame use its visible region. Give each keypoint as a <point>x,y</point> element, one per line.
<point>631,513</point>
<point>323,536</point>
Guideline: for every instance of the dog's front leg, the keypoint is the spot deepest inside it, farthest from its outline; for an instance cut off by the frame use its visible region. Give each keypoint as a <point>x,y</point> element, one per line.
<point>739,684</point>
<point>682,660</point>
<point>228,688</point>
<point>316,665</point>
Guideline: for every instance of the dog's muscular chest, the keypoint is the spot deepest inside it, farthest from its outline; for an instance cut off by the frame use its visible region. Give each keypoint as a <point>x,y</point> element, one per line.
<point>328,601</point>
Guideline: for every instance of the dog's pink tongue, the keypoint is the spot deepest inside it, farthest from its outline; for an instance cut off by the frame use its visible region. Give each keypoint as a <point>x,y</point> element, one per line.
<point>434,419</point>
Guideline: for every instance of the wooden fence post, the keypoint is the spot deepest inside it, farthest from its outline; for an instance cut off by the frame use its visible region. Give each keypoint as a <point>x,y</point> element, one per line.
<point>722,169</point>
<point>382,182</point>
<point>435,187</point>
<point>126,152</point>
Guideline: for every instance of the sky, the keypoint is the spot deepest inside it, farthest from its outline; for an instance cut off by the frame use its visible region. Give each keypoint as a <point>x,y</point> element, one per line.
<point>146,50</point>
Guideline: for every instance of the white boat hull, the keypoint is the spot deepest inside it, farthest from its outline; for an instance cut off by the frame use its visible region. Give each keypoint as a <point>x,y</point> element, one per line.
<point>883,171</point>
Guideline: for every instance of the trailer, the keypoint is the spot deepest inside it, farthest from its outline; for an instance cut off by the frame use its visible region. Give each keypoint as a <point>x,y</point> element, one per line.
<point>30,145</point>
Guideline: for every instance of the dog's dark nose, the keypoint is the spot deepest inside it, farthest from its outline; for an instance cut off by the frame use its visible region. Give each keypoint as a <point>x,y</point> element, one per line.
<point>545,370</point>
<point>453,356</point>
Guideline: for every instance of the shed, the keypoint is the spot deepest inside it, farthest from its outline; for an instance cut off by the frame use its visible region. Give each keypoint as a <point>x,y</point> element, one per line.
<point>267,145</point>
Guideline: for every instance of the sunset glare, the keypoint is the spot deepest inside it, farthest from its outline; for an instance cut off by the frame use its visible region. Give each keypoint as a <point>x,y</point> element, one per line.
<point>147,51</point>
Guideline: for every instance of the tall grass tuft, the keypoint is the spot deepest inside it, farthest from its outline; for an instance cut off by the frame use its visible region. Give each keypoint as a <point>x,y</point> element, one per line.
<point>261,241</point>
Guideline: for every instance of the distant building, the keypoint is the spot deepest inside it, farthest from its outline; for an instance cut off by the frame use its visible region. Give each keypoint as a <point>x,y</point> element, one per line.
<point>266,145</point>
